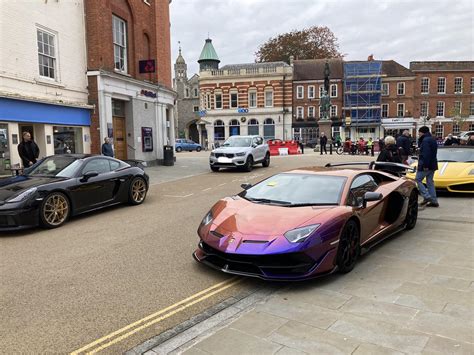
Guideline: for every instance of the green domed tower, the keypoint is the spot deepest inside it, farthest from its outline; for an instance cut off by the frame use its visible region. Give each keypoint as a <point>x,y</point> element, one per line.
<point>208,60</point>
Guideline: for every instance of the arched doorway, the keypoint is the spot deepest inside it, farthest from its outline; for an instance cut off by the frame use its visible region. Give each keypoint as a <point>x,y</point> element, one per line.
<point>253,127</point>
<point>234,128</point>
<point>268,129</point>
<point>193,132</point>
<point>219,132</point>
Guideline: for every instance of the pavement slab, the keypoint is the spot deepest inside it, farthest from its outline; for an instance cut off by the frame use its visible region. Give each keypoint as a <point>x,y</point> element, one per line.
<point>371,349</point>
<point>313,340</point>
<point>259,324</point>
<point>380,333</point>
<point>440,345</point>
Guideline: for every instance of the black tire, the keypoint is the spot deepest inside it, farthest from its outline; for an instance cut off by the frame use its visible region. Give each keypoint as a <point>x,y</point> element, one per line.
<point>179,149</point>
<point>412,212</point>
<point>55,210</point>
<point>339,150</point>
<point>214,169</point>
<point>198,149</point>
<point>249,164</point>
<point>266,161</point>
<point>349,247</point>
<point>137,191</point>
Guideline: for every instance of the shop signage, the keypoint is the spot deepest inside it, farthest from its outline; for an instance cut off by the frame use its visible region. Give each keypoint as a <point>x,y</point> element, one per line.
<point>202,113</point>
<point>242,110</point>
<point>148,93</point>
<point>146,66</point>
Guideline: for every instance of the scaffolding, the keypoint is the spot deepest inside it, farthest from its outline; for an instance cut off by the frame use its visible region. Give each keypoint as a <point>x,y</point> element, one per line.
<point>363,92</point>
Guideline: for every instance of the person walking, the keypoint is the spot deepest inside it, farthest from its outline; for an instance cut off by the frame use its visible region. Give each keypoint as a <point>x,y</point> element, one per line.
<point>323,141</point>
<point>28,150</point>
<point>404,145</point>
<point>301,145</point>
<point>370,146</point>
<point>390,154</point>
<point>107,149</point>
<point>427,165</point>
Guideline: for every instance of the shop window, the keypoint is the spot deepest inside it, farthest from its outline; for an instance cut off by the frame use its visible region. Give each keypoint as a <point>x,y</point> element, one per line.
<point>253,129</point>
<point>67,140</point>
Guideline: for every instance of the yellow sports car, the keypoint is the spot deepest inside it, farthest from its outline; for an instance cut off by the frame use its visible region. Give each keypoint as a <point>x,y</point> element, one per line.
<point>455,169</point>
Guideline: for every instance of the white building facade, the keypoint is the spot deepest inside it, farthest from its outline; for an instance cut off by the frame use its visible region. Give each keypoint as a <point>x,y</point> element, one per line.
<point>43,86</point>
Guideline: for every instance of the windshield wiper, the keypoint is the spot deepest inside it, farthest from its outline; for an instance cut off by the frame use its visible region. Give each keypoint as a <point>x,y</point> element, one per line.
<point>313,204</point>
<point>266,200</point>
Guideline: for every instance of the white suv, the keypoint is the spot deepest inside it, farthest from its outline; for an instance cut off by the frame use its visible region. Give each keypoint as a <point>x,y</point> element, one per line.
<point>240,152</point>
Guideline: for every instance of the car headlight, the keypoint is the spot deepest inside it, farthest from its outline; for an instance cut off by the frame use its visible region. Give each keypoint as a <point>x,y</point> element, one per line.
<point>471,172</point>
<point>24,195</point>
<point>299,235</point>
<point>240,154</point>
<point>207,219</point>
<point>213,154</point>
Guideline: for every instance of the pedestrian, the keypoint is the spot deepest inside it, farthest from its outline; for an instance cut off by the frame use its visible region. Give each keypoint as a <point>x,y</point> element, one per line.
<point>370,146</point>
<point>206,145</point>
<point>381,143</point>
<point>449,140</point>
<point>470,140</point>
<point>107,149</point>
<point>301,145</point>
<point>28,150</point>
<point>404,145</point>
<point>390,154</point>
<point>361,146</point>
<point>427,165</point>
<point>323,140</point>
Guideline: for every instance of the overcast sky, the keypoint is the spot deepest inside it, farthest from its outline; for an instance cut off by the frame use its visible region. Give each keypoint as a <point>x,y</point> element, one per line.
<point>401,30</point>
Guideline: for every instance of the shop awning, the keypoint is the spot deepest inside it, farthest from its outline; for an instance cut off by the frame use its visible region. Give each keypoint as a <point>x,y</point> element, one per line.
<point>398,126</point>
<point>37,112</point>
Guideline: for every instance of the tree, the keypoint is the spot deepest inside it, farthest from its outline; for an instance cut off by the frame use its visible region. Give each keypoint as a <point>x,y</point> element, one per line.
<point>317,42</point>
<point>459,116</point>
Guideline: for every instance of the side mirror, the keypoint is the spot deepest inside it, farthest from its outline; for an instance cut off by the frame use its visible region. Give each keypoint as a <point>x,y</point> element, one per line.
<point>254,145</point>
<point>89,175</point>
<point>371,196</point>
<point>246,186</point>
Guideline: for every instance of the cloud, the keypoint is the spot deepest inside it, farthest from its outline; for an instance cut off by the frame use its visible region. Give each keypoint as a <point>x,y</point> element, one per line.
<point>401,30</point>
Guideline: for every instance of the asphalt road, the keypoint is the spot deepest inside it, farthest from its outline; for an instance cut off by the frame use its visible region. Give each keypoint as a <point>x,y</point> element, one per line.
<point>63,289</point>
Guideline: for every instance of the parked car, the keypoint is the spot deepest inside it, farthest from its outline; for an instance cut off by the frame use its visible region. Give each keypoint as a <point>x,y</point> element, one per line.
<point>186,144</point>
<point>305,223</point>
<point>464,136</point>
<point>60,186</point>
<point>240,152</point>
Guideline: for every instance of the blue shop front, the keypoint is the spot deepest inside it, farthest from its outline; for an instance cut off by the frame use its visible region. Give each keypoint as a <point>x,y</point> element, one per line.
<point>56,129</point>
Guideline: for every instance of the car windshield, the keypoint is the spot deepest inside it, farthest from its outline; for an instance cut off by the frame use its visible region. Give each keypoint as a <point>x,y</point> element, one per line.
<point>456,155</point>
<point>297,190</point>
<point>238,142</point>
<point>56,166</point>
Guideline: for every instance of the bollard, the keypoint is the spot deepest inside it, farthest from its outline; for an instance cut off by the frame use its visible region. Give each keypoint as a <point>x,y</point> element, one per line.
<point>330,149</point>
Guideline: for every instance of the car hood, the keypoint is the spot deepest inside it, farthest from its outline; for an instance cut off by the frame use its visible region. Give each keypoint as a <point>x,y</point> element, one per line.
<point>231,150</point>
<point>261,221</point>
<point>449,170</point>
<point>15,185</point>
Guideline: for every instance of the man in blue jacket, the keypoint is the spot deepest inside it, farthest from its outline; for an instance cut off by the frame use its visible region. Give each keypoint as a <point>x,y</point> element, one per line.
<point>427,165</point>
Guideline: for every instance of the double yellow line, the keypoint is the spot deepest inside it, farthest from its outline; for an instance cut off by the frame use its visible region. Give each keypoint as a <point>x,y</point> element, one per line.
<point>127,331</point>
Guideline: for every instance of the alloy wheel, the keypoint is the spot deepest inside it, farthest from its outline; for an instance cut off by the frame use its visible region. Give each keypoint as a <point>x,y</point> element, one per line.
<point>138,190</point>
<point>349,247</point>
<point>55,210</point>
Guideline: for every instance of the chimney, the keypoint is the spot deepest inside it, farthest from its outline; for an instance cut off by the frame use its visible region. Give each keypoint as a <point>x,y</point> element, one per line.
<point>370,58</point>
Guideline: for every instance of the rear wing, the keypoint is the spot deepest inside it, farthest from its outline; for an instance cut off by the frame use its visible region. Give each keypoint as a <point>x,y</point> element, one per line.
<point>391,168</point>
<point>138,163</point>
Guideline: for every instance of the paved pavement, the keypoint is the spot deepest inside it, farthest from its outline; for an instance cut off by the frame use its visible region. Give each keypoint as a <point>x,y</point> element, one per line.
<point>413,294</point>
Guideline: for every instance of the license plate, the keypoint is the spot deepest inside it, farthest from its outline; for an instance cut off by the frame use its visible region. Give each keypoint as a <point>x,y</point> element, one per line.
<point>224,160</point>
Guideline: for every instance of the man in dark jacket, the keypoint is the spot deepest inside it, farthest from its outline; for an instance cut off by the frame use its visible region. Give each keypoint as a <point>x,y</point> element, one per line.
<point>427,165</point>
<point>107,149</point>
<point>28,150</point>
<point>404,145</point>
<point>323,141</point>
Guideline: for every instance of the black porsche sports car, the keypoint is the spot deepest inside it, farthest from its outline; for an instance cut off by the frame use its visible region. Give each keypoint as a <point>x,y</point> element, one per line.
<point>61,186</point>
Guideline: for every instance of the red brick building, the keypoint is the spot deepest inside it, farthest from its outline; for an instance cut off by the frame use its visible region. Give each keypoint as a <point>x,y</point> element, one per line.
<point>129,75</point>
<point>244,99</point>
<point>308,84</point>
<point>444,96</point>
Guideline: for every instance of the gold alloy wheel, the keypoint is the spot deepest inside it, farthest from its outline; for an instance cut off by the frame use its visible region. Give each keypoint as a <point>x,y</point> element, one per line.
<point>56,209</point>
<point>138,190</point>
